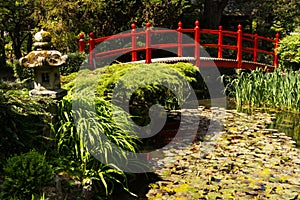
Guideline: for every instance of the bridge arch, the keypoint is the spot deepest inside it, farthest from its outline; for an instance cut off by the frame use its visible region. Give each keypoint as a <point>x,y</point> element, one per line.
<point>242,46</point>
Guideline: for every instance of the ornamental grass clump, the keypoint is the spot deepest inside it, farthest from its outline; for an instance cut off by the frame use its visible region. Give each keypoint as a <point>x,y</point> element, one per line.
<point>278,89</point>
<point>25,175</point>
<point>82,133</point>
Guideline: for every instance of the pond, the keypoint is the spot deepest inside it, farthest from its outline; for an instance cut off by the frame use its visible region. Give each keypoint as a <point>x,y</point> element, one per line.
<point>252,160</point>
<point>228,169</point>
<point>286,122</point>
<point>283,121</point>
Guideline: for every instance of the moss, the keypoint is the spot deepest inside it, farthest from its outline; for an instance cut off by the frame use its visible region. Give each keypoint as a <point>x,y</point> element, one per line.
<point>46,36</point>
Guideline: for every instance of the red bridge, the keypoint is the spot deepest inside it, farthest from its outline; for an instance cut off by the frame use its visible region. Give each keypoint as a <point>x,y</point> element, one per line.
<point>233,49</point>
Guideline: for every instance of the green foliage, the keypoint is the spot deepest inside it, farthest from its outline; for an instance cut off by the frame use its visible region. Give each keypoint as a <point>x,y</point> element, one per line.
<point>289,52</point>
<point>158,12</point>
<point>75,128</point>
<point>73,64</point>
<point>22,73</point>
<point>125,76</point>
<point>278,89</point>
<point>286,16</point>
<point>269,17</point>
<point>112,74</point>
<point>158,92</point>
<point>104,18</point>
<point>23,121</point>
<point>26,174</point>
<point>18,18</point>
<point>72,139</point>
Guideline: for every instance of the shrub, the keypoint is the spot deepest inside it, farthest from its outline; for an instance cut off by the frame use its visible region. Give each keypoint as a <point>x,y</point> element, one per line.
<point>22,73</point>
<point>73,64</point>
<point>289,52</point>
<point>26,174</point>
<point>152,91</point>
<point>23,121</point>
<point>168,74</point>
<point>111,75</point>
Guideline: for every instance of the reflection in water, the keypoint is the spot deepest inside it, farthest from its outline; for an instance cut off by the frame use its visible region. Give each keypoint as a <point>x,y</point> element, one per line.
<point>283,121</point>
<point>289,123</point>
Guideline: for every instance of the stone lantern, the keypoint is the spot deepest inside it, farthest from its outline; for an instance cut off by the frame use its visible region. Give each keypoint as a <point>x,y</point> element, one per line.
<point>45,63</point>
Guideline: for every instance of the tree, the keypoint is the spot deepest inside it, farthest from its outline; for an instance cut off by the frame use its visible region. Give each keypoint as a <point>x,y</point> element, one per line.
<point>286,16</point>
<point>163,13</point>
<point>2,49</point>
<point>17,19</point>
<point>288,51</point>
<point>269,17</point>
<point>105,18</point>
<point>213,10</point>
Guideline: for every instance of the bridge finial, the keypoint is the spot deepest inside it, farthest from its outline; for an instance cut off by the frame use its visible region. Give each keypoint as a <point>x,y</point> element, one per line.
<point>179,25</point>
<point>197,23</point>
<point>239,27</point>
<point>220,28</point>
<point>81,35</point>
<point>277,35</point>
<point>148,24</point>
<point>92,35</point>
<point>133,26</point>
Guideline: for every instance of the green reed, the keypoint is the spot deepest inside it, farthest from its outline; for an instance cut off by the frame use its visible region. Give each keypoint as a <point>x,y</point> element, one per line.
<point>278,89</point>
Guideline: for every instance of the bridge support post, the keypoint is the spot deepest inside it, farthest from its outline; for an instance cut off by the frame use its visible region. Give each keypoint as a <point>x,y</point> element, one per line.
<point>179,40</point>
<point>255,47</point>
<point>91,48</point>
<point>275,62</point>
<point>239,46</point>
<point>81,42</point>
<point>197,43</point>
<point>133,43</point>
<point>220,42</point>
<point>148,43</point>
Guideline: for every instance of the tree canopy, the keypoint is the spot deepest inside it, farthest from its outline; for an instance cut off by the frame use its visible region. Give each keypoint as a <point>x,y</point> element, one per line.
<point>66,19</point>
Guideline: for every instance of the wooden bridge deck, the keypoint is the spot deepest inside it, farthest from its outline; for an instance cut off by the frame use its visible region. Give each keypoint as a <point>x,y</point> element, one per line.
<point>211,61</point>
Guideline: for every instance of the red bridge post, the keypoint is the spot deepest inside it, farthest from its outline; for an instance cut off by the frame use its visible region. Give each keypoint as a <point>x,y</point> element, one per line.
<point>91,48</point>
<point>179,40</point>
<point>220,42</point>
<point>275,62</point>
<point>255,47</point>
<point>81,42</point>
<point>239,46</point>
<point>133,43</point>
<point>148,43</point>
<point>197,43</point>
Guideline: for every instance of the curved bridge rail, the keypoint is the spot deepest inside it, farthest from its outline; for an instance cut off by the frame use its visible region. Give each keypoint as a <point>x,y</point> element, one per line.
<point>245,44</point>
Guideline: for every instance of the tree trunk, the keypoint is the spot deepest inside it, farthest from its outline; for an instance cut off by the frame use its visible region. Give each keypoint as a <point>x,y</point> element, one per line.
<point>16,44</point>
<point>2,50</point>
<point>212,15</point>
<point>29,42</point>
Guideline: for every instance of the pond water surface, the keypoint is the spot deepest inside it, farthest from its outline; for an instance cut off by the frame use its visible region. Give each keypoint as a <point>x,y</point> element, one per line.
<point>288,123</point>
<point>283,121</point>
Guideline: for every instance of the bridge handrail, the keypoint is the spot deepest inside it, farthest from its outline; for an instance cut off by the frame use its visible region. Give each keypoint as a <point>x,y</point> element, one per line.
<point>197,31</point>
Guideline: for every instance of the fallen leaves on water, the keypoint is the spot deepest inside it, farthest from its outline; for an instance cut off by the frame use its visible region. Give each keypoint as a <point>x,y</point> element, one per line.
<point>249,162</point>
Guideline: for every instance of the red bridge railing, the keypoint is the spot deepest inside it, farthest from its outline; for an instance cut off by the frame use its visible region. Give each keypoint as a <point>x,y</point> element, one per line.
<point>240,38</point>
